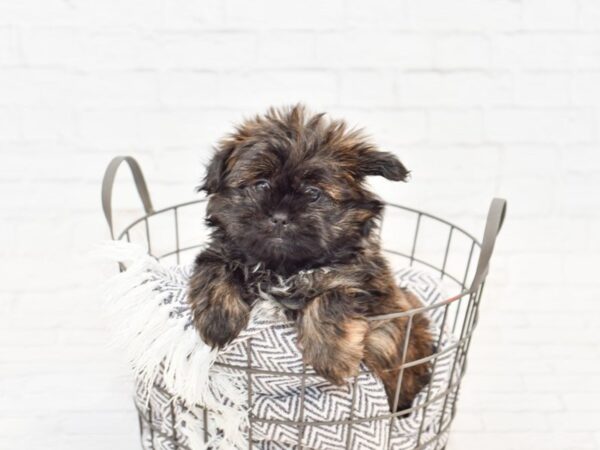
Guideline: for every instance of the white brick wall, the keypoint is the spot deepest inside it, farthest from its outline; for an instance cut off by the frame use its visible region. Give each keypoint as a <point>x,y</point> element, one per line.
<point>479,97</point>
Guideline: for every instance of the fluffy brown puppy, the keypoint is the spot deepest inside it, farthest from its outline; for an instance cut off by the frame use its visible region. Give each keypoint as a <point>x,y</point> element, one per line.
<point>291,217</point>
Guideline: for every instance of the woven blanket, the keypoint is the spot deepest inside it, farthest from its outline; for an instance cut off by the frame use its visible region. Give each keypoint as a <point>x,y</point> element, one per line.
<point>191,397</point>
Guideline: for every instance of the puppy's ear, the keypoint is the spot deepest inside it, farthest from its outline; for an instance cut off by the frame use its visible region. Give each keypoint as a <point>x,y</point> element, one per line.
<point>215,171</point>
<point>383,164</point>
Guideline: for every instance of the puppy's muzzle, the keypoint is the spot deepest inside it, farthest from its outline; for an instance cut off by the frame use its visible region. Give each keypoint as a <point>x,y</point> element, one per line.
<point>279,219</point>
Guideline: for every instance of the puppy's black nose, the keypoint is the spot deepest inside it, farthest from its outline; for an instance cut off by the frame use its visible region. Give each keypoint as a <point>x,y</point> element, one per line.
<point>279,219</point>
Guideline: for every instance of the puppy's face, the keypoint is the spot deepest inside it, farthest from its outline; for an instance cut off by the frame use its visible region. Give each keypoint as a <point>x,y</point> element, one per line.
<point>286,190</point>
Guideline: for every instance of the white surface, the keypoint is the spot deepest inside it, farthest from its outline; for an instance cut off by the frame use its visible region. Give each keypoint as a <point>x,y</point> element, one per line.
<point>478,97</point>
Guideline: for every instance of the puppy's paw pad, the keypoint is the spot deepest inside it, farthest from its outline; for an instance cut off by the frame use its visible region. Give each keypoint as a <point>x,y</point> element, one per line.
<point>218,328</point>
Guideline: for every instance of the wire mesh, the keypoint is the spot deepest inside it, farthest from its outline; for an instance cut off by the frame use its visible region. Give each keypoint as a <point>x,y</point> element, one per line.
<point>451,258</point>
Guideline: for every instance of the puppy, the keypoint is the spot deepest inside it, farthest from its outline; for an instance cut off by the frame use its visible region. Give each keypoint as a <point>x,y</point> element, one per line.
<point>291,216</point>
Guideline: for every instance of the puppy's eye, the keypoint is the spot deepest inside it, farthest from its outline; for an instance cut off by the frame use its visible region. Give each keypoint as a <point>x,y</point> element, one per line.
<point>262,185</point>
<point>313,193</point>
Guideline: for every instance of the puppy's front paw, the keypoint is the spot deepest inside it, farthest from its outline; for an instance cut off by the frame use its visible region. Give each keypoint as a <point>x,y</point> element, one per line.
<point>219,324</point>
<point>334,350</point>
<point>218,310</point>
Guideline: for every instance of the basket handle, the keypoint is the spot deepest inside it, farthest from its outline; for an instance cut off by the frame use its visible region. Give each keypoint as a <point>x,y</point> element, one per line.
<point>493,225</point>
<point>109,181</point>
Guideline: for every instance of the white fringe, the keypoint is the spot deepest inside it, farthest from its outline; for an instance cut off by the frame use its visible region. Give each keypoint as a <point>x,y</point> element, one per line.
<point>159,344</point>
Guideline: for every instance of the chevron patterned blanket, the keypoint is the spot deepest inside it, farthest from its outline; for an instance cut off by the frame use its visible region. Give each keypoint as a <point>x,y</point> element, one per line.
<point>191,397</point>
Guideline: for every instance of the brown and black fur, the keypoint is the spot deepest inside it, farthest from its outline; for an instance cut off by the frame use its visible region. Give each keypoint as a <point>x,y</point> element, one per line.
<point>287,195</point>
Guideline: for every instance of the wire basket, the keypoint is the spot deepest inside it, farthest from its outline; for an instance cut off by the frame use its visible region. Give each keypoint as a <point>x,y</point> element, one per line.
<point>410,237</point>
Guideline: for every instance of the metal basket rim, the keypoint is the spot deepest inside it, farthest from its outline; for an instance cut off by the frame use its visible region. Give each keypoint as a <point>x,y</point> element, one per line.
<point>392,204</point>
<point>407,313</point>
